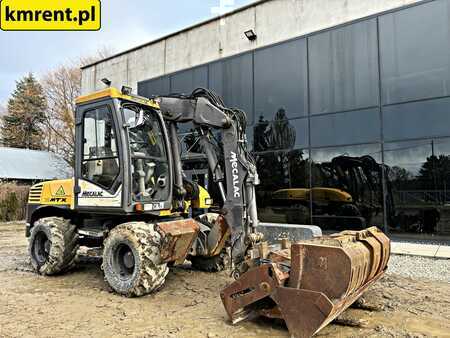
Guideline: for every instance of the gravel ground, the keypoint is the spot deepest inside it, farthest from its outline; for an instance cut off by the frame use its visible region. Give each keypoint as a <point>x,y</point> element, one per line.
<point>420,267</point>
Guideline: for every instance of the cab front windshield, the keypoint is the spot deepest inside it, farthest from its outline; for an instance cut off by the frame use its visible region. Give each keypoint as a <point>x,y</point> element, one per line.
<point>149,164</point>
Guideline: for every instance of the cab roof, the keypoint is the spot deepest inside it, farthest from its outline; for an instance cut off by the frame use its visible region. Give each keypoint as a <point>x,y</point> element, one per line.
<point>114,93</point>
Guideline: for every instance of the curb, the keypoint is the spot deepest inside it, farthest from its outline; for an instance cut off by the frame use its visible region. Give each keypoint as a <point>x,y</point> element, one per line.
<point>423,250</point>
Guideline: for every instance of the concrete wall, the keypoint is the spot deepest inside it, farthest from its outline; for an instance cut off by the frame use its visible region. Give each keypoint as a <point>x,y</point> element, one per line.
<point>273,21</point>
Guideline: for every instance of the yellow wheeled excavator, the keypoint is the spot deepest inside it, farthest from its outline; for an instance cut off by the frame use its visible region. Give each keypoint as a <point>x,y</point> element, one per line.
<point>129,197</point>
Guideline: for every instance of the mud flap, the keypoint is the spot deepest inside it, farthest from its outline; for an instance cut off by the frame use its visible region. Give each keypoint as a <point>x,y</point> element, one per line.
<point>177,238</point>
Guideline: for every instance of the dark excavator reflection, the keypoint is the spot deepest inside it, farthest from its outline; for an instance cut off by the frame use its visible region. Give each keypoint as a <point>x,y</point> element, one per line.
<point>347,192</point>
<point>343,193</point>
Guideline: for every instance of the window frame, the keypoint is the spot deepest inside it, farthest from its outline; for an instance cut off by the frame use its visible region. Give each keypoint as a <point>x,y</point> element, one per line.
<point>114,185</point>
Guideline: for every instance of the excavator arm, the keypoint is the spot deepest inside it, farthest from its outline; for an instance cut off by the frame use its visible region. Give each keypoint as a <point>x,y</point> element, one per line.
<point>306,284</point>
<point>237,176</point>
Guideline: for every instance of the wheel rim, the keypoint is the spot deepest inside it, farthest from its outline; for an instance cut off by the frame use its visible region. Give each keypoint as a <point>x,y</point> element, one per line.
<point>124,261</point>
<point>41,248</point>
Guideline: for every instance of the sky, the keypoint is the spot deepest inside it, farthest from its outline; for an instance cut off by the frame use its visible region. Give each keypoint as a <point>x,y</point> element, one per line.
<point>125,24</point>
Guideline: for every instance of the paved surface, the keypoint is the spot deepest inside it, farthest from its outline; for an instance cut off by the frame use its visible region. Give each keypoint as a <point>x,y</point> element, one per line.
<point>420,238</point>
<point>424,250</point>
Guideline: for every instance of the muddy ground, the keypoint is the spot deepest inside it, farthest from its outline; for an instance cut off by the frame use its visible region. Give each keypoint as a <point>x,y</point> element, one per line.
<point>80,304</point>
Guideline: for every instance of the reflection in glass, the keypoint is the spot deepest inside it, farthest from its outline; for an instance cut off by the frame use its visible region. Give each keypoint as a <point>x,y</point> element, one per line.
<point>355,127</point>
<point>343,68</point>
<point>347,190</point>
<point>275,135</point>
<point>283,173</point>
<point>283,170</point>
<point>416,120</point>
<point>281,79</point>
<point>414,58</point>
<point>419,173</point>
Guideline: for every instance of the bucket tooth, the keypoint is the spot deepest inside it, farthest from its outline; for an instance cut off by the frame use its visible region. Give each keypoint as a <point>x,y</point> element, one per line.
<point>326,276</point>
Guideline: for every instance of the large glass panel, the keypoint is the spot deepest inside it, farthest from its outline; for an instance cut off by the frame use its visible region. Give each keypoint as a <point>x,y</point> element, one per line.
<point>186,81</point>
<point>347,188</point>
<point>417,120</point>
<point>418,180</point>
<point>233,79</point>
<point>415,52</point>
<point>281,80</point>
<point>159,86</point>
<point>282,196</point>
<point>343,65</point>
<point>345,128</point>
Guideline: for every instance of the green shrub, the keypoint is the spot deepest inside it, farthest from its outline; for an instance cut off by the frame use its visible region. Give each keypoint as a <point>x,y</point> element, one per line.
<point>13,201</point>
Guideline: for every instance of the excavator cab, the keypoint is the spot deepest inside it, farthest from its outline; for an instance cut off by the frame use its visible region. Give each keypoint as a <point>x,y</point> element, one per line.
<point>123,163</point>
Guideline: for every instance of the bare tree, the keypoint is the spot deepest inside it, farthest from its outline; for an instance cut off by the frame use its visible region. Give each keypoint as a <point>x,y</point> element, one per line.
<point>62,86</point>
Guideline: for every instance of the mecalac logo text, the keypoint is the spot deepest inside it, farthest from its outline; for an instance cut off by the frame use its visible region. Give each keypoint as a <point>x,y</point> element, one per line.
<point>235,173</point>
<point>92,194</point>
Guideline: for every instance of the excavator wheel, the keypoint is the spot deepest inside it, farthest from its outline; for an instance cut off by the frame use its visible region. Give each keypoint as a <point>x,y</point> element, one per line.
<point>53,245</point>
<point>131,259</point>
<point>214,263</point>
<point>211,264</point>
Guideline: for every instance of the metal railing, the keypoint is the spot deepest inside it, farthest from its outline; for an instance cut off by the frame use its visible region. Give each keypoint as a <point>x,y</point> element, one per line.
<point>422,196</point>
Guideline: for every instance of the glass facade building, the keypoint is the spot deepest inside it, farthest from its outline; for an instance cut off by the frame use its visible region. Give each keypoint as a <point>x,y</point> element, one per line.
<point>349,126</point>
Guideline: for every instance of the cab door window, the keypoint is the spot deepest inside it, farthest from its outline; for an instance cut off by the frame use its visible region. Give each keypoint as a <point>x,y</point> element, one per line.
<point>149,161</point>
<point>100,156</point>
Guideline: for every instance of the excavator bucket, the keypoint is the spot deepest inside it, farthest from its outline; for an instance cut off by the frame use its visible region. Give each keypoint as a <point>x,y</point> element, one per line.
<point>311,284</point>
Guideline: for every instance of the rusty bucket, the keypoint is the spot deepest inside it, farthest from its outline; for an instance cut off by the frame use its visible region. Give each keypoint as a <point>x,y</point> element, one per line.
<point>314,282</point>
